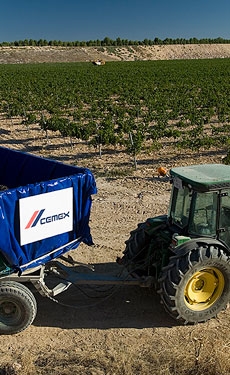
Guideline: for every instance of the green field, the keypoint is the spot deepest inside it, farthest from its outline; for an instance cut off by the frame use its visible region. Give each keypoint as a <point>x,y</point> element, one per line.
<point>126,103</point>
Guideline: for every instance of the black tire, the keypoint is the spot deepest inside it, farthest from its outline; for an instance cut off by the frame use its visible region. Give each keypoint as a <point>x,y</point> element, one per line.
<point>136,245</point>
<point>18,307</point>
<point>196,287</point>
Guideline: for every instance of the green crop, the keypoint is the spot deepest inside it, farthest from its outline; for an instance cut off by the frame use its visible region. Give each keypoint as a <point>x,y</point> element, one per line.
<point>126,103</point>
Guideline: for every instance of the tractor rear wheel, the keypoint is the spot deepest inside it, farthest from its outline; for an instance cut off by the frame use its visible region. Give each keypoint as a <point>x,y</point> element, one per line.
<point>18,307</point>
<point>196,287</point>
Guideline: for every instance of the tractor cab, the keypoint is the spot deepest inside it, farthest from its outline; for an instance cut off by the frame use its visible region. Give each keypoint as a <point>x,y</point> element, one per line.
<point>200,201</point>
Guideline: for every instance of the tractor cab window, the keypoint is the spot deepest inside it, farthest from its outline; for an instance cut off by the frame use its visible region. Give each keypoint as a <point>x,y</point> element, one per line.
<point>203,215</point>
<point>180,206</point>
<point>225,219</point>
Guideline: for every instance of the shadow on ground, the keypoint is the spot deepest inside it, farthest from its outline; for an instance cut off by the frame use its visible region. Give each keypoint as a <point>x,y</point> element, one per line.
<point>103,307</point>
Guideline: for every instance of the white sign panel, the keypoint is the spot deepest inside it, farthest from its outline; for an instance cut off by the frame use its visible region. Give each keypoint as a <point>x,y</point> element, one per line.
<point>45,215</point>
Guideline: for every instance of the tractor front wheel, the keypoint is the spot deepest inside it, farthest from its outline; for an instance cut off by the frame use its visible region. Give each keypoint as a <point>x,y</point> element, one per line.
<point>134,254</point>
<point>196,287</point>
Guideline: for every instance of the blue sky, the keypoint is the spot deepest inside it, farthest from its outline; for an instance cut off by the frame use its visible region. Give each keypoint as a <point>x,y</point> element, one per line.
<point>70,20</point>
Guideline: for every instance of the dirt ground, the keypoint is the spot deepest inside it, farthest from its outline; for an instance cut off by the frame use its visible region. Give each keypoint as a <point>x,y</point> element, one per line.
<point>112,330</point>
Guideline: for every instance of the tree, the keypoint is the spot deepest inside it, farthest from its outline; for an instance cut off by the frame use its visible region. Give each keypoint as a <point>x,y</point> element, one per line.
<point>118,42</point>
<point>157,41</point>
<point>146,42</point>
<point>134,144</point>
<point>106,41</point>
<point>32,42</point>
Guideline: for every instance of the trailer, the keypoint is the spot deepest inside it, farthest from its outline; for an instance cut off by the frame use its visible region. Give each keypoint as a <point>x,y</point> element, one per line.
<point>44,213</point>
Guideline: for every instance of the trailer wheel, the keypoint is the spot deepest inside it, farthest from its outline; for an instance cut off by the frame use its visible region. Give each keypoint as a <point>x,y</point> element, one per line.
<point>196,287</point>
<point>18,307</point>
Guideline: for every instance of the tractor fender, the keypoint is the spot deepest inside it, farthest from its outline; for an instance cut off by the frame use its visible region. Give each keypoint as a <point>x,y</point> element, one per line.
<point>154,224</point>
<point>194,243</point>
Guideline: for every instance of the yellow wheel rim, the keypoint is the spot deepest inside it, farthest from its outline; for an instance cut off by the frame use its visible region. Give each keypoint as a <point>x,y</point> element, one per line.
<point>204,289</point>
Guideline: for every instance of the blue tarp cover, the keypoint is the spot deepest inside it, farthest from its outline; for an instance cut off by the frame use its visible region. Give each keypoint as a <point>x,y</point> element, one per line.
<point>27,175</point>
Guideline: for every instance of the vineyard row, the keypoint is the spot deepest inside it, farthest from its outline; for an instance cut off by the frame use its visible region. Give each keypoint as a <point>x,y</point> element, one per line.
<point>132,104</point>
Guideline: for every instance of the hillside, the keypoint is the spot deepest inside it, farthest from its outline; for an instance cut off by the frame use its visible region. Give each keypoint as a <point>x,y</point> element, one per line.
<point>30,54</point>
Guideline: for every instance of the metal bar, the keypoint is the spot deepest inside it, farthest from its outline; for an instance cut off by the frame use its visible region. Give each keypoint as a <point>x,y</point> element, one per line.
<point>71,275</point>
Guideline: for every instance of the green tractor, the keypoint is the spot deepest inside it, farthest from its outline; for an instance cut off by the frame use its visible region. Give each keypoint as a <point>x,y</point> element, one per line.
<point>187,252</point>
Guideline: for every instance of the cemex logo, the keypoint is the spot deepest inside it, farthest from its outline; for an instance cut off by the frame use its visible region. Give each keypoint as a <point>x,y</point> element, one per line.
<point>45,215</point>
<point>37,218</point>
